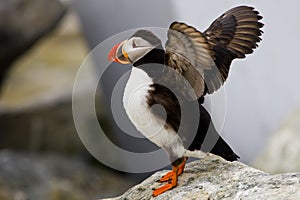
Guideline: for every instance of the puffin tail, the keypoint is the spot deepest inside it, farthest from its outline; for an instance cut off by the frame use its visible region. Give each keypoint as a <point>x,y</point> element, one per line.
<point>222,149</point>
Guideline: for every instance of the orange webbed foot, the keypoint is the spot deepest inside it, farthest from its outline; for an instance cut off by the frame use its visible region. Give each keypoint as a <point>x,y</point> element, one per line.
<point>168,176</point>
<point>173,176</point>
<point>167,186</point>
<point>163,188</point>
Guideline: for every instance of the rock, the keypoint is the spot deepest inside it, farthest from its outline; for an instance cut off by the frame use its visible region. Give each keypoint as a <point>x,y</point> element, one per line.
<point>22,24</point>
<point>46,128</point>
<point>37,94</point>
<point>54,177</point>
<point>47,73</point>
<point>283,149</point>
<point>215,178</point>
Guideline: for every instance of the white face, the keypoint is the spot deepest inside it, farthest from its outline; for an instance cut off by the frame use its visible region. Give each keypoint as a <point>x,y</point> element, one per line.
<point>136,48</point>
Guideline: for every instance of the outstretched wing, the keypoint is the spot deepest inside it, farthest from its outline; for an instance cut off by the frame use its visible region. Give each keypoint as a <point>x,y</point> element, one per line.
<point>233,35</point>
<point>189,54</point>
<point>203,59</point>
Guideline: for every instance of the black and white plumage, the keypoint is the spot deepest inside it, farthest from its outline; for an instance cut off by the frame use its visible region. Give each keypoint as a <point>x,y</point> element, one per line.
<point>196,64</point>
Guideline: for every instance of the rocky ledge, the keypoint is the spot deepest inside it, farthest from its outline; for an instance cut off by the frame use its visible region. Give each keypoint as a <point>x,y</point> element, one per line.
<point>215,178</point>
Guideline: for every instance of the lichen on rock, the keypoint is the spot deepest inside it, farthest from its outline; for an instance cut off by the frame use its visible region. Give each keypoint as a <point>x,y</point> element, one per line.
<point>215,178</point>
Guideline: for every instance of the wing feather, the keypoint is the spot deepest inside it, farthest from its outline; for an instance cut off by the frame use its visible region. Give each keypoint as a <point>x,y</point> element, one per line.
<point>188,52</point>
<point>233,35</point>
<point>204,59</point>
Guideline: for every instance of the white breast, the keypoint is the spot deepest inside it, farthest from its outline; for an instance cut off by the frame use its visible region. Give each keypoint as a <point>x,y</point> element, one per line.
<point>138,111</point>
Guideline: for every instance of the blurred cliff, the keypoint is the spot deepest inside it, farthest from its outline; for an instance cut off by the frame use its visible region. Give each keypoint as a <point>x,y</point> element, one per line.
<point>22,24</point>
<point>37,92</point>
<point>41,156</point>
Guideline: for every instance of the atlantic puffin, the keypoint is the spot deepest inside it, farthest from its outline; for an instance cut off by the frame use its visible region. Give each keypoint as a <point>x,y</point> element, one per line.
<point>203,59</point>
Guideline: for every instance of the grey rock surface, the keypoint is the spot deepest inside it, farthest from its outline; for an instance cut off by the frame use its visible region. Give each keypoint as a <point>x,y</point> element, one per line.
<point>282,153</point>
<point>215,178</point>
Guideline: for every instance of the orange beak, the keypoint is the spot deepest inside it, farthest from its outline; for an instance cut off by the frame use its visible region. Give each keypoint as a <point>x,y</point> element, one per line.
<point>118,54</point>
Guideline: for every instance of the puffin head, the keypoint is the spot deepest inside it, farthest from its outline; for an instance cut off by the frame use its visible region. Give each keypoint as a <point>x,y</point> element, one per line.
<point>135,48</point>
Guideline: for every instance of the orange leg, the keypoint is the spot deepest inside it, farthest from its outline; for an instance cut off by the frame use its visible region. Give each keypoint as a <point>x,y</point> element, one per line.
<point>169,175</point>
<point>168,186</point>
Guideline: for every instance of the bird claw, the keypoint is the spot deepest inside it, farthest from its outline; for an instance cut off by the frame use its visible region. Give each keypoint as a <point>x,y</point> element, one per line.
<point>168,176</point>
<point>171,177</point>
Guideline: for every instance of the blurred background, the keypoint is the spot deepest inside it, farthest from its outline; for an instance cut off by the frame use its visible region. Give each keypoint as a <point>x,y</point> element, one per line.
<point>43,43</point>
